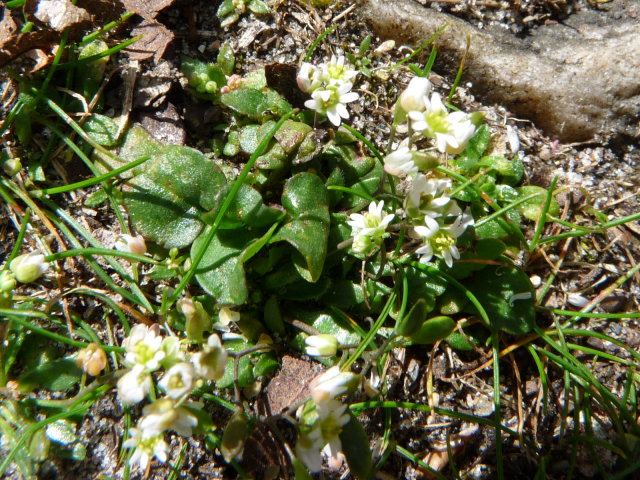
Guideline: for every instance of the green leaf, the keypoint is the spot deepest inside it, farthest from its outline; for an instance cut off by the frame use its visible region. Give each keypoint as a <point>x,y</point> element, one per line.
<point>245,101</point>
<point>345,294</point>
<point>498,227</point>
<point>355,446</point>
<point>59,375</point>
<point>160,215</point>
<point>90,76</point>
<point>226,8</point>
<point>422,286</point>
<point>245,366</point>
<point>188,174</point>
<point>258,7</point>
<point>468,159</point>
<point>102,129</point>
<point>234,436</point>
<point>291,135</point>
<point>434,329</point>
<point>508,297</point>
<point>365,186</point>
<point>226,59</point>
<point>221,272</point>
<point>300,471</point>
<point>267,363</point>
<point>484,249</point>
<point>413,320</point>
<point>532,209</point>
<point>305,199</point>
<point>246,209</point>
<point>327,324</point>
<point>136,143</point>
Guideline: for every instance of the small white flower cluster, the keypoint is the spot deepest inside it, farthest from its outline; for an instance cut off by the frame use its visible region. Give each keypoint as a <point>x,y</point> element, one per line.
<point>323,434</point>
<point>436,218</point>
<point>430,118</point>
<point>147,351</point>
<point>368,229</point>
<point>428,199</point>
<point>330,87</point>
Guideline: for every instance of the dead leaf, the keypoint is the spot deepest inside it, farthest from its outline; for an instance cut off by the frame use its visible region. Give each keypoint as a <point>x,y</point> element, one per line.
<point>155,39</point>
<point>146,8</point>
<point>40,57</point>
<point>60,14</point>
<point>8,28</point>
<point>290,385</point>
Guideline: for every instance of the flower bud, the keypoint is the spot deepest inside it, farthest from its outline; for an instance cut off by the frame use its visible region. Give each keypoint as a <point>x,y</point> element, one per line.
<point>321,345</point>
<point>128,243</point>
<point>29,267</point>
<point>413,96</point>
<point>12,166</point>
<point>92,359</point>
<point>198,321</point>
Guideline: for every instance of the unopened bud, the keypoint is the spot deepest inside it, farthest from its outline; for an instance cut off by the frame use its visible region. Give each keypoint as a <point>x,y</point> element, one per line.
<point>29,267</point>
<point>128,243</point>
<point>321,345</point>
<point>12,166</point>
<point>92,359</point>
<point>198,321</point>
<point>385,47</point>
<point>413,96</point>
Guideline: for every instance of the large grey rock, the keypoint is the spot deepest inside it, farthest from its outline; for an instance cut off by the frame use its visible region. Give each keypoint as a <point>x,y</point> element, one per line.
<point>573,80</point>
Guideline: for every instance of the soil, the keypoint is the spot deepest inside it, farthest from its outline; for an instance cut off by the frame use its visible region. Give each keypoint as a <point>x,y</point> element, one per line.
<point>599,175</point>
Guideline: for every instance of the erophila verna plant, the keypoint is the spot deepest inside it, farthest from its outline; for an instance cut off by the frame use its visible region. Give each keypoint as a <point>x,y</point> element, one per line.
<point>318,242</point>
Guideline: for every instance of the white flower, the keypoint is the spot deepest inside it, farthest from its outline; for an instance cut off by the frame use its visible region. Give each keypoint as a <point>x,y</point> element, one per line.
<point>459,131</point>
<point>332,383</point>
<point>335,72</point>
<point>428,196</point>
<point>308,448</point>
<point>29,267</point>
<point>441,240</point>
<point>144,347</point>
<point>134,385</point>
<point>331,418</point>
<point>145,448</point>
<point>413,97</point>
<point>211,362</point>
<point>331,101</point>
<point>325,432</point>
<point>321,345</point>
<point>451,131</point>
<point>178,380</point>
<point>400,161</point>
<point>308,78</point>
<point>163,415</point>
<point>128,243</point>
<point>368,229</point>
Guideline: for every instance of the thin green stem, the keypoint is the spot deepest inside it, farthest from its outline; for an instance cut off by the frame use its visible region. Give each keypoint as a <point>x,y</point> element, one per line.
<point>20,238</point>
<point>16,316</point>
<point>92,181</point>
<point>106,252</point>
<point>542,220</point>
<point>317,41</point>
